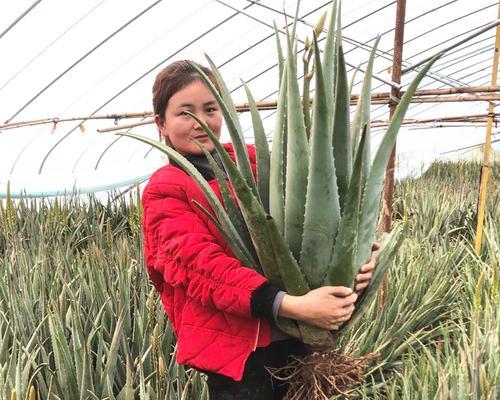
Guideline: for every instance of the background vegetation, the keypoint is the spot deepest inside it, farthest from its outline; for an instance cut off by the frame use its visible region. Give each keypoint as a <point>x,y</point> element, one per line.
<point>79,319</point>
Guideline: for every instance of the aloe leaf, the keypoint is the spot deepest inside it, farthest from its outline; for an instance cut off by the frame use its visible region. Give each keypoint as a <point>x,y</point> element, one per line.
<point>226,96</point>
<point>293,278</point>
<point>281,59</point>
<point>62,358</point>
<point>228,111</point>
<point>262,150</point>
<point>236,243</point>
<point>210,217</point>
<point>362,114</point>
<point>329,60</point>
<point>278,160</point>
<point>322,211</point>
<point>218,226</point>
<point>370,203</point>
<point>251,208</point>
<point>86,377</point>
<point>230,204</point>
<point>289,326</point>
<point>341,270</point>
<point>342,151</point>
<point>385,258</point>
<point>112,356</point>
<point>295,284</point>
<point>351,84</point>
<point>306,99</point>
<point>297,160</point>
<point>295,19</point>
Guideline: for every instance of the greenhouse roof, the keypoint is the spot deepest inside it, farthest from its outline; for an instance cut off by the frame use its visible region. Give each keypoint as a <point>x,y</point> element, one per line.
<point>76,59</point>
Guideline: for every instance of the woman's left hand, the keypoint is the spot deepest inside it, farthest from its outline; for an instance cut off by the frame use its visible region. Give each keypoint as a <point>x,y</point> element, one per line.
<point>363,279</point>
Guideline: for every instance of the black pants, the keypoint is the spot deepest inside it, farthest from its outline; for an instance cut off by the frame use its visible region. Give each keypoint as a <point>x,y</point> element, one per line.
<point>257,383</point>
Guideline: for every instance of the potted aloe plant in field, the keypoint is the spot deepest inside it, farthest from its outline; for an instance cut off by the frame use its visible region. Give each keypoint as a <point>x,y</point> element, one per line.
<point>310,217</point>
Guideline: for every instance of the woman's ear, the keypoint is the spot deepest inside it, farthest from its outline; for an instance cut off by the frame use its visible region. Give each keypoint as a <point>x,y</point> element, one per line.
<point>160,124</point>
<point>162,132</point>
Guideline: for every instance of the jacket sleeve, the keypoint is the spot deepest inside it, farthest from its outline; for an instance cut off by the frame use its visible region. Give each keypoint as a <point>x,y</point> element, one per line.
<point>188,254</point>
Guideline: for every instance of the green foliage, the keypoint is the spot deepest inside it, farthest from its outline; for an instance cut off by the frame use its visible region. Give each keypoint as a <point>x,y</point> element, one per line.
<point>77,311</point>
<point>76,304</point>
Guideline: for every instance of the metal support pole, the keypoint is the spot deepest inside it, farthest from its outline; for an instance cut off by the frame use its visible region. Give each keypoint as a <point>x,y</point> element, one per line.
<point>395,94</point>
<point>397,60</point>
<point>485,171</point>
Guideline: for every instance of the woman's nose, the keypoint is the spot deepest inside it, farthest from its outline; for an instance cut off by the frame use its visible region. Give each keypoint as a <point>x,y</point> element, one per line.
<point>196,125</point>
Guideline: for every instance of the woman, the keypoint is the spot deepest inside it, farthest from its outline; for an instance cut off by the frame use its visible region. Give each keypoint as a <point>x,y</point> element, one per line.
<point>222,312</point>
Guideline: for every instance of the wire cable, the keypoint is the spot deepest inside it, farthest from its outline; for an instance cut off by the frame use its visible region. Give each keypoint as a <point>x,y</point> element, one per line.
<point>80,60</point>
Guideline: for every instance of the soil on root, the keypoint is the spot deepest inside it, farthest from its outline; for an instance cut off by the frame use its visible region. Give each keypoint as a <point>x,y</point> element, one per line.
<point>321,375</point>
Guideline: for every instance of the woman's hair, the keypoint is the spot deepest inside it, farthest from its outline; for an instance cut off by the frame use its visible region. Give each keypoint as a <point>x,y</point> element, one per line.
<point>173,78</point>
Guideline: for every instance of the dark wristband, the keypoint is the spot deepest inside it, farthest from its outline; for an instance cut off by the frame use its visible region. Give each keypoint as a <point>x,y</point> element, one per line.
<point>262,300</point>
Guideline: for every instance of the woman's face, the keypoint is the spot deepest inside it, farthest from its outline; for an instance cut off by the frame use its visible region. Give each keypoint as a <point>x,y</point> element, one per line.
<point>180,128</point>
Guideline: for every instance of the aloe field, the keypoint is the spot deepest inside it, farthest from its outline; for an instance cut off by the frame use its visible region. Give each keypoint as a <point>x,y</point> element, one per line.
<point>80,320</point>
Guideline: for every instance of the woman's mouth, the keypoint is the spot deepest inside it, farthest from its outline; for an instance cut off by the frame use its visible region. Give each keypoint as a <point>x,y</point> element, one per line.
<point>201,137</point>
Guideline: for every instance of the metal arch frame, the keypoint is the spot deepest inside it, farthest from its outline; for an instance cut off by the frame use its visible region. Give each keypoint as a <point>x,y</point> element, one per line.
<point>456,45</point>
<point>39,132</point>
<point>109,147</point>
<point>220,66</point>
<point>426,107</point>
<point>81,59</point>
<point>432,72</point>
<point>449,74</point>
<point>434,47</point>
<point>392,84</point>
<point>448,22</point>
<point>19,71</point>
<point>128,87</point>
<point>244,51</point>
<point>271,35</point>
<point>411,106</point>
<point>252,2</point>
<point>15,22</point>
<point>169,57</point>
<point>13,166</point>
<point>356,46</point>
<point>464,40</point>
<point>83,94</point>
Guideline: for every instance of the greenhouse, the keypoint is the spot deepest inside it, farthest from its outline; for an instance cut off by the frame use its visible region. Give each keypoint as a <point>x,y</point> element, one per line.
<point>251,199</point>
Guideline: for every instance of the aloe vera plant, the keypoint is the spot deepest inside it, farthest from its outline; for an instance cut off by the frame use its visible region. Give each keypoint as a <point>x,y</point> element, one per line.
<point>316,200</point>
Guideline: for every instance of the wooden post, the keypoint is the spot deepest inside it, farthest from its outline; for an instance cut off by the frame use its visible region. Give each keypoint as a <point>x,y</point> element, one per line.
<point>485,171</point>
<point>397,59</point>
<point>395,94</point>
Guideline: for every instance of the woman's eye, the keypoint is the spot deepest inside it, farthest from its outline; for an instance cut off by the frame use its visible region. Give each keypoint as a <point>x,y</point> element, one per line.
<point>211,109</point>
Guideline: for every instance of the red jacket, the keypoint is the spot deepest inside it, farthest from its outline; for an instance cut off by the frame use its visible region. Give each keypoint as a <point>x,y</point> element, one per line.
<point>204,289</point>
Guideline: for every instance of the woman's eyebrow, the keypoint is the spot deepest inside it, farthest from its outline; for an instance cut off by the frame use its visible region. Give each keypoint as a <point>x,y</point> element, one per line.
<point>182,105</point>
<point>187,105</point>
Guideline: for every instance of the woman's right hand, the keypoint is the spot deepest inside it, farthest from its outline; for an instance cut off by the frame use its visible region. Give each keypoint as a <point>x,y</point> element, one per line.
<point>327,307</point>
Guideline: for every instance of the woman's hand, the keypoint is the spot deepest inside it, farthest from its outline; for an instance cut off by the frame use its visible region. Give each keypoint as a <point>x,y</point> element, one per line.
<point>363,279</point>
<point>327,307</point>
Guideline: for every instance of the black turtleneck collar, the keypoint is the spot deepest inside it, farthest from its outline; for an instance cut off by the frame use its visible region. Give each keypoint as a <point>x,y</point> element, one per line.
<point>202,165</point>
